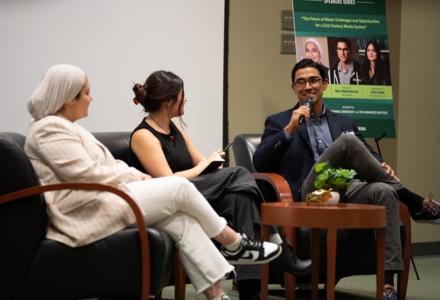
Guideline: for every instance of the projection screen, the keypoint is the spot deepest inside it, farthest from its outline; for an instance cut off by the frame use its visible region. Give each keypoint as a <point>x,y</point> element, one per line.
<point>117,43</point>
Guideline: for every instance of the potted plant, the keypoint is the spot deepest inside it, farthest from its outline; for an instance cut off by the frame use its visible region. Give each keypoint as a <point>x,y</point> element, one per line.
<point>328,182</point>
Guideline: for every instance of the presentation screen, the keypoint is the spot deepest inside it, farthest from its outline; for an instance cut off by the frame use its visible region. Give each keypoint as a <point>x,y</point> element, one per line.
<point>117,44</point>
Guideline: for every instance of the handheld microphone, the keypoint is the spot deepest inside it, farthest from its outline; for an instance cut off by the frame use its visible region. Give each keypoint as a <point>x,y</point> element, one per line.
<point>309,104</point>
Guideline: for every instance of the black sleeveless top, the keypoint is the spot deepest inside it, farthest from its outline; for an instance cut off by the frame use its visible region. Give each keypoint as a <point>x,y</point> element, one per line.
<point>176,152</point>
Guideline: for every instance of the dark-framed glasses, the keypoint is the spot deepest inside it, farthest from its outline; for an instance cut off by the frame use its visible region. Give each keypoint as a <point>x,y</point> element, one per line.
<point>342,49</point>
<point>313,81</point>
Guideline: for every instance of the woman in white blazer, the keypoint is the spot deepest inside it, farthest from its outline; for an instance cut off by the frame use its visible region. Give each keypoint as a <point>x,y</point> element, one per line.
<point>62,151</point>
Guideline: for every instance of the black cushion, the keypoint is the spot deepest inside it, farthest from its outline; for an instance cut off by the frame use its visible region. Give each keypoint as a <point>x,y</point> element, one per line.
<point>116,142</point>
<point>110,267</point>
<point>22,222</point>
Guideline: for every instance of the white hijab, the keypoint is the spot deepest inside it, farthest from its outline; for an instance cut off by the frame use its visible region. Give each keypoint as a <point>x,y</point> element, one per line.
<point>59,85</point>
<point>315,41</point>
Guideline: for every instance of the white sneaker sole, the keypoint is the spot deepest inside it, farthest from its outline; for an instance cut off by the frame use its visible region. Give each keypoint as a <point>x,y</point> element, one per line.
<point>253,262</point>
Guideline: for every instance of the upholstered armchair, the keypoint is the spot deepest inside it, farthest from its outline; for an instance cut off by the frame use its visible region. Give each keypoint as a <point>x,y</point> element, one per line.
<point>132,263</point>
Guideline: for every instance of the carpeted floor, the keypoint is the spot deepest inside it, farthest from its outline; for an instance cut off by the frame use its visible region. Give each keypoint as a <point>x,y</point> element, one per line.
<point>355,287</point>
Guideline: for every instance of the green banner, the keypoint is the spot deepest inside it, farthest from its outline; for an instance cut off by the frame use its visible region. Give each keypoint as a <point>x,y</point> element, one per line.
<point>350,40</point>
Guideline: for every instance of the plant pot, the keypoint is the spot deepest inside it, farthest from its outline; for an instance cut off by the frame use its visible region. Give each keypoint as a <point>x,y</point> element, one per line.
<point>334,199</point>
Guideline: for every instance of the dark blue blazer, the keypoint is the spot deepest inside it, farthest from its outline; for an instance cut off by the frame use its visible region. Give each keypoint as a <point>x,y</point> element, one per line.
<point>294,159</point>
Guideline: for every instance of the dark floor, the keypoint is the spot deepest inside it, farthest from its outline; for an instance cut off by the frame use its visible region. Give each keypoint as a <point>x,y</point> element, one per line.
<point>355,287</point>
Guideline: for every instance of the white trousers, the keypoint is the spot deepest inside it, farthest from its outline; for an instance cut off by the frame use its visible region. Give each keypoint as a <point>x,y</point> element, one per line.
<point>174,204</point>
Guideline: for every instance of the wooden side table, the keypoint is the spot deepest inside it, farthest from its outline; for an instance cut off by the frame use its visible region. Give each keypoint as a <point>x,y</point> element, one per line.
<point>297,214</point>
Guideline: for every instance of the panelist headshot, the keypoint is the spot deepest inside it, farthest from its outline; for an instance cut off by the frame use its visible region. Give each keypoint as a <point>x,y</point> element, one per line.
<point>373,69</point>
<point>347,69</point>
<point>314,51</point>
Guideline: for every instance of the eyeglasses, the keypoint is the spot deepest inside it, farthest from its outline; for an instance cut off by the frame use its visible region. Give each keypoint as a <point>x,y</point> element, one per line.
<point>342,49</point>
<point>313,81</point>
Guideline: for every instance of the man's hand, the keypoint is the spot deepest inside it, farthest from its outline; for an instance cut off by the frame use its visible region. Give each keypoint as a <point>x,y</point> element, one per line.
<point>389,170</point>
<point>294,120</point>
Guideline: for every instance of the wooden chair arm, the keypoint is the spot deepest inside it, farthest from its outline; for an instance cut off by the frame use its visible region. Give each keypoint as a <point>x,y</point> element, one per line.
<point>143,236</point>
<point>284,194</point>
<point>278,183</point>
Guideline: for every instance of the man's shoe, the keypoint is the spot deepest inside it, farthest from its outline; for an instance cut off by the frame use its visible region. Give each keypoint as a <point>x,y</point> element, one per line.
<point>252,252</point>
<point>389,293</point>
<point>289,262</point>
<point>429,214</point>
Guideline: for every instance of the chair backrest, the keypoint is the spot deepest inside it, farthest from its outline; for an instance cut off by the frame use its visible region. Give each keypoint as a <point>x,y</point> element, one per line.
<point>16,137</point>
<point>22,222</point>
<point>116,142</point>
<point>244,146</point>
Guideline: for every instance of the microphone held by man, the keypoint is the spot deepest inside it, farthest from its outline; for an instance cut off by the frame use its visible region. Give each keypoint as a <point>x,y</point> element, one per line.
<point>309,103</point>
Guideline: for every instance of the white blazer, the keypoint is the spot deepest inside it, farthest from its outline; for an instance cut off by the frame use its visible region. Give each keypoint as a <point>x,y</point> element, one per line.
<point>63,151</point>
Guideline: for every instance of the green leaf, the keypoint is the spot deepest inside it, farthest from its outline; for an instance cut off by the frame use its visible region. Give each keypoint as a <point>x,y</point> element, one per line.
<point>329,177</point>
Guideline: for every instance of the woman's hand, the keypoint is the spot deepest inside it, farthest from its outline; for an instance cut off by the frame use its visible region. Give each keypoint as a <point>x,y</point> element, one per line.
<point>215,153</point>
<point>205,162</point>
<point>145,176</point>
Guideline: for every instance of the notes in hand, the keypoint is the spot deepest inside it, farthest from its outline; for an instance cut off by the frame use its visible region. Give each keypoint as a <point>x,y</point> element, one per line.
<point>213,164</point>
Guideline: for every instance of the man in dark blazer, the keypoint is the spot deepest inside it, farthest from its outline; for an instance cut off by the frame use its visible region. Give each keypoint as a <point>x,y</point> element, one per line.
<point>291,149</point>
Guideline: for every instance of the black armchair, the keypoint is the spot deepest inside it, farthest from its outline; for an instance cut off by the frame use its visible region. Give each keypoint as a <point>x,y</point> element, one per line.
<point>132,263</point>
<point>356,247</point>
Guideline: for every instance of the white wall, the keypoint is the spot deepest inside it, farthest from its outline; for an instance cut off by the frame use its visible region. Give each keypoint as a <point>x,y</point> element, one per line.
<point>115,43</point>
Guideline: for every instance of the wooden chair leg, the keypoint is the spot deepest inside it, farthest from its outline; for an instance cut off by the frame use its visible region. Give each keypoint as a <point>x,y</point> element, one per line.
<point>179,278</point>
<point>402,277</point>
<point>290,285</point>
<point>290,280</point>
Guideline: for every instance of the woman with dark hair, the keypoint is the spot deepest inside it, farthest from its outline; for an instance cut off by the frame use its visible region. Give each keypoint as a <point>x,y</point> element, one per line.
<point>160,147</point>
<point>373,69</point>
<point>62,151</point>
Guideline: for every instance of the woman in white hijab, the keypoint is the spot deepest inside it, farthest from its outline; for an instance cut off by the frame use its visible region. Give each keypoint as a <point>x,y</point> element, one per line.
<point>313,50</point>
<point>62,151</point>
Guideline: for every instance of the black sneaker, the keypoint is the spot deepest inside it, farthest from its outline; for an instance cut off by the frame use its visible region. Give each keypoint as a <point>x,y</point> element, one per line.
<point>252,252</point>
<point>289,262</point>
<point>429,214</point>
